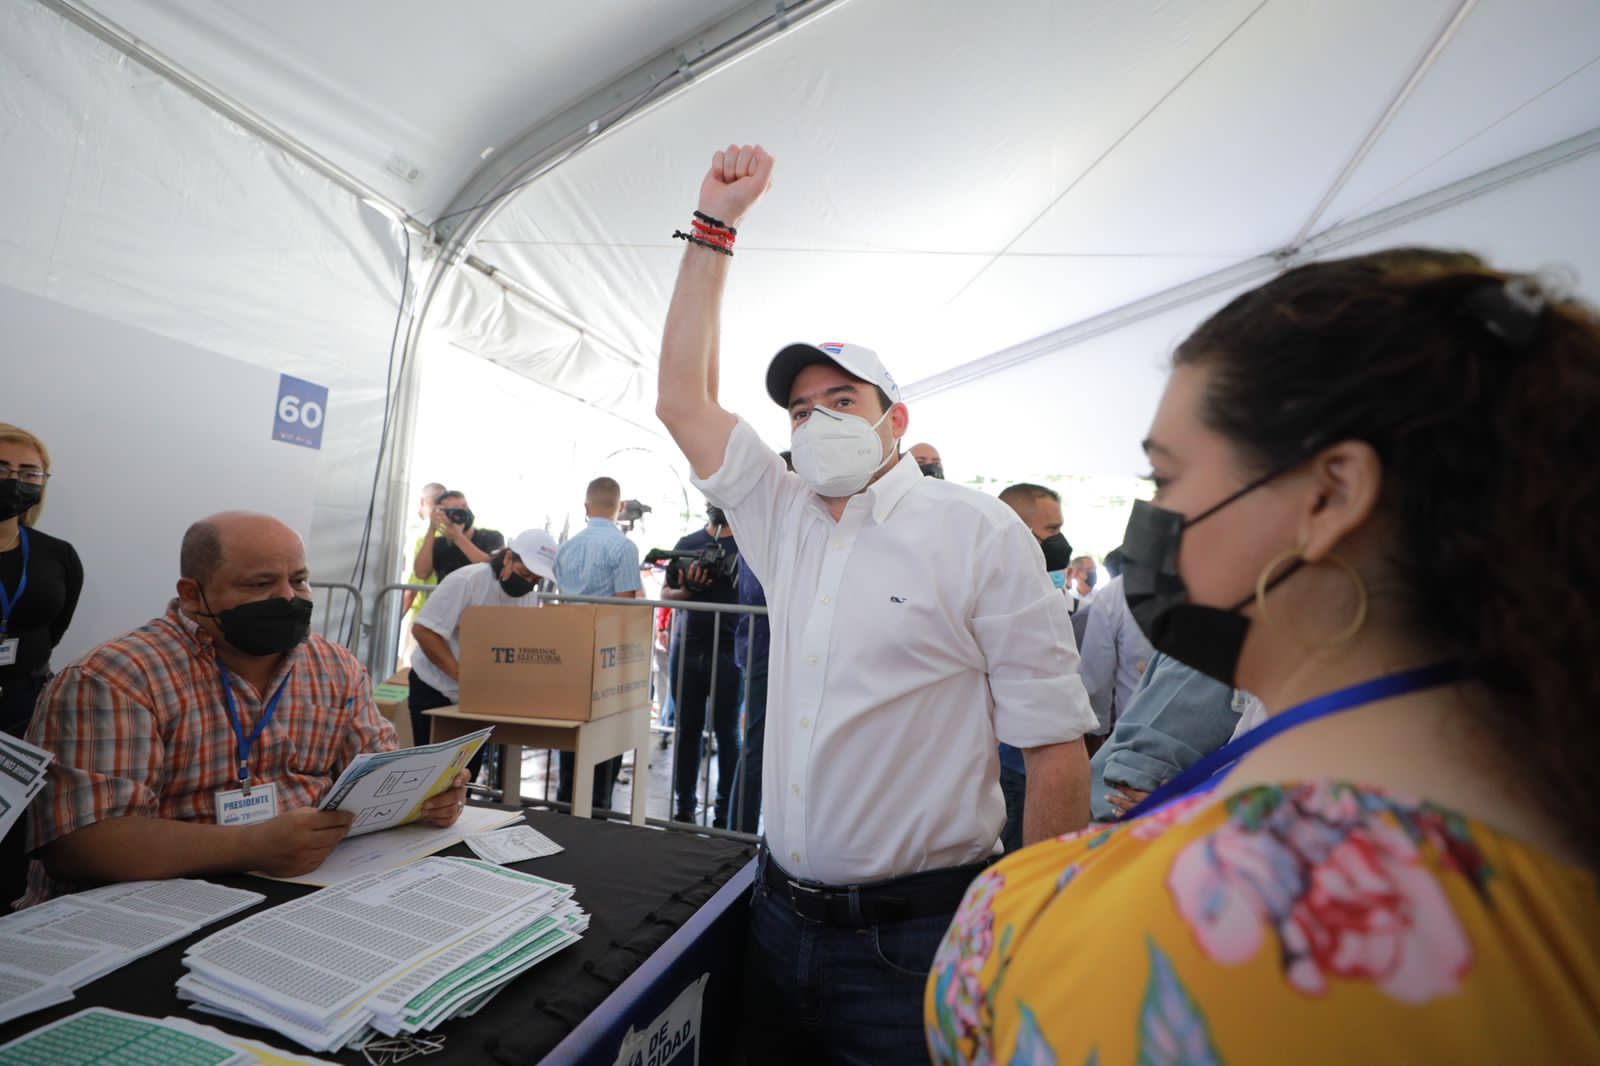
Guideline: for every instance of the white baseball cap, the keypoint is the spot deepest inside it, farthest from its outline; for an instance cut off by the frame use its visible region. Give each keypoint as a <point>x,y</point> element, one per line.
<point>853,359</point>
<point>537,550</point>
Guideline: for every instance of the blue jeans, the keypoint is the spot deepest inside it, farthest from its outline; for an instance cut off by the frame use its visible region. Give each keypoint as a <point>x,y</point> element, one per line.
<point>816,994</point>
<point>1014,787</point>
<point>747,793</point>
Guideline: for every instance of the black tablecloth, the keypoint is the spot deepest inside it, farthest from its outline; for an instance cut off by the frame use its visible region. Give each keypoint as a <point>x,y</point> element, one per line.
<point>638,885</point>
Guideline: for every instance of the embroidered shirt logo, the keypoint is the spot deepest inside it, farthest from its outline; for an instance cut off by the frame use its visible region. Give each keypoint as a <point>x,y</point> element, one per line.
<point>897,599</point>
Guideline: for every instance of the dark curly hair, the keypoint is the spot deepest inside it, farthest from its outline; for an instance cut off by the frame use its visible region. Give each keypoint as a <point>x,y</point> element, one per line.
<point>1484,406</point>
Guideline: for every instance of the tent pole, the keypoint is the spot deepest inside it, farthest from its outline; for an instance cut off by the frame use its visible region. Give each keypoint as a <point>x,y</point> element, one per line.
<point>213,98</point>
<point>1401,98</point>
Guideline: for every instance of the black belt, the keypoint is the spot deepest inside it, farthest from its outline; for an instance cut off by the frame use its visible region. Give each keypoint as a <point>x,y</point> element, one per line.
<point>919,895</point>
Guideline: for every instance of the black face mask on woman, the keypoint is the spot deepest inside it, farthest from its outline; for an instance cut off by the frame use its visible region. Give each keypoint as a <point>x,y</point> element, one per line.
<point>265,627</point>
<point>16,497</point>
<point>1209,639</point>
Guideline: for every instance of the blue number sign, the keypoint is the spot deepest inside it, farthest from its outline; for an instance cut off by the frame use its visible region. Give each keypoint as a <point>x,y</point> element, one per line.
<point>301,408</point>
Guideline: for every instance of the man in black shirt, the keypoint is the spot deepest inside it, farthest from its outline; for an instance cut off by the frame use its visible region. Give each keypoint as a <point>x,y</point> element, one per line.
<point>701,646</point>
<point>453,541</point>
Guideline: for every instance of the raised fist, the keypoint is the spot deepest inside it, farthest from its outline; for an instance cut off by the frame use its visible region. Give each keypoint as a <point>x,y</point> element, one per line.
<point>739,176</point>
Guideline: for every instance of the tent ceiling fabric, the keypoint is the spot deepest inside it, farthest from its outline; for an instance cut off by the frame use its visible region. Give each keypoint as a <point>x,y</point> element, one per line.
<point>953,179</point>
<point>428,84</point>
<point>1057,161</point>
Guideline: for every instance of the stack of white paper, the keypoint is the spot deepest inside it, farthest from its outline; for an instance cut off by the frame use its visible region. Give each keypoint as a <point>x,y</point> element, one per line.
<point>100,1036</point>
<point>22,773</point>
<point>49,950</point>
<point>386,953</point>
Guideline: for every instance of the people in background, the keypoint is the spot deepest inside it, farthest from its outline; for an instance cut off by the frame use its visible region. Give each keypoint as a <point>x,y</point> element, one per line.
<point>1400,863</point>
<point>40,581</point>
<point>599,561</point>
<point>1040,510</point>
<point>928,461</point>
<point>453,540</point>
<point>752,643</point>
<point>1115,654</point>
<point>505,579</point>
<point>1082,576</point>
<point>703,673</point>
<point>1176,717</point>
<point>159,733</point>
<point>427,502</point>
<point>912,627</point>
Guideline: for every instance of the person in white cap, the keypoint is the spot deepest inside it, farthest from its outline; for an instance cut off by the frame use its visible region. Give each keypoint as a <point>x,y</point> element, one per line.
<point>913,627</point>
<point>504,581</point>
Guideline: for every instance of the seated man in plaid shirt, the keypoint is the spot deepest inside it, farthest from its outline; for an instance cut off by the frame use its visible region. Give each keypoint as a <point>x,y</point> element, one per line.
<point>201,742</point>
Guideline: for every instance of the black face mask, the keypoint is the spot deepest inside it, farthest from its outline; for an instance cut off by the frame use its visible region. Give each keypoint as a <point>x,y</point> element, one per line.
<point>1209,639</point>
<point>934,469</point>
<point>1057,552</point>
<point>265,627</point>
<point>516,586</point>
<point>17,497</point>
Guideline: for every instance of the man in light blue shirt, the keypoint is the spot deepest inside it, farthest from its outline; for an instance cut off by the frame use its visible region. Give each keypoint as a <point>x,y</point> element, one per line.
<point>1114,653</point>
<point>1177,717</point>
<point>599,561</point>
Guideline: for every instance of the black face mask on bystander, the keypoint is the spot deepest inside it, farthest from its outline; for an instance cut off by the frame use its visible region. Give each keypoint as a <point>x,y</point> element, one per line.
<point>16,497</point>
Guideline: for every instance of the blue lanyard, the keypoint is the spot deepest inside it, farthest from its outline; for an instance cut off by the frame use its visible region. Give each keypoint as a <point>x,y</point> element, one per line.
<point>9,602</point>
<point>1206,773</point>
<point>238,730</point>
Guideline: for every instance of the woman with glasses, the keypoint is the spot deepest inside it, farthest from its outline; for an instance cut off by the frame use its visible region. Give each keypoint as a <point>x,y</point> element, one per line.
<point>40,579</point>
<point>1399,863</point>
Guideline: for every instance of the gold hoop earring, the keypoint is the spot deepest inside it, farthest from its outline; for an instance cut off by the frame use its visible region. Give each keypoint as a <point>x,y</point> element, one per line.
<point>1345,635</point>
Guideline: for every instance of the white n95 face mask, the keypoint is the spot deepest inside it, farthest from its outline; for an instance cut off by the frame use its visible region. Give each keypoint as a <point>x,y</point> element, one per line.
<point>837,453</point>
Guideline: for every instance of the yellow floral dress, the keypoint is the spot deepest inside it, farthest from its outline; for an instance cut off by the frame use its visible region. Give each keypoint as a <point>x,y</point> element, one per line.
<point>1303,923</point>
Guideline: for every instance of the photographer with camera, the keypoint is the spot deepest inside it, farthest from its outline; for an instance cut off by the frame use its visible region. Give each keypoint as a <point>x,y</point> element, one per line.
<point>707,572</point>
<point>452,541</point>
<point>598,561</point>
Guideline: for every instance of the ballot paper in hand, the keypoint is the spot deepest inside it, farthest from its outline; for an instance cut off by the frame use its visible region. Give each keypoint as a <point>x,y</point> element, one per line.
<point>387,788</point>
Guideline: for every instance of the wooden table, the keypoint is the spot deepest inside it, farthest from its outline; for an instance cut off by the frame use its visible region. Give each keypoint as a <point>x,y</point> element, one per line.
<point>591,743</point>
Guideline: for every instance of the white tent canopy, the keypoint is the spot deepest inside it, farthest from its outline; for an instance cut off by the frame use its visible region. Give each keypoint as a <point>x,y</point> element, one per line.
<point>1066,183</point>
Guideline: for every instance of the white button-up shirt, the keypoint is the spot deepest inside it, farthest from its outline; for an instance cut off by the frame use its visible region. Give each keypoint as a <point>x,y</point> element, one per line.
<point>1115,653</point>
<point>474,585</point>
<point>906,638</point>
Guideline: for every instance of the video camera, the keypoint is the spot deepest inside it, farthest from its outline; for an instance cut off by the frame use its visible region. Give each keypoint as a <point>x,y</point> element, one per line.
<point>632,511</point>
<point>717,560</point>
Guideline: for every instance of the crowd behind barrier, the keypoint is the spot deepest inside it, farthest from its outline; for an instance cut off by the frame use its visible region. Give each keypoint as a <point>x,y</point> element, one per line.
<point>380,664</point>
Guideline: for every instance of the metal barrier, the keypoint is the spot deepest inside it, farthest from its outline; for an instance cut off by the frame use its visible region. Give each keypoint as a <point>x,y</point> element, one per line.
<point>348,625</point>
<point>382,659</point>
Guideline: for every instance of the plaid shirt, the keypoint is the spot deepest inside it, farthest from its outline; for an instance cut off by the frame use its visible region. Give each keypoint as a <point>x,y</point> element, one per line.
<point>139,727</point>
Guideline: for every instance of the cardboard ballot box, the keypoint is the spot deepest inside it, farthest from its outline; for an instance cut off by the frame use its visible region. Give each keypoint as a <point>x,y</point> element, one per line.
<point>574,662</point>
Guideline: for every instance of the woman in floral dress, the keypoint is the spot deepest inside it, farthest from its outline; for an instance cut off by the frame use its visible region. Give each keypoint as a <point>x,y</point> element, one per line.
<point>1377,508</point>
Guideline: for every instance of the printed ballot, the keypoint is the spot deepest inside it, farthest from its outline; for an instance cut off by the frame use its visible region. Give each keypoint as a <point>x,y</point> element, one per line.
<point>22,768</point>
<point>387,788</point>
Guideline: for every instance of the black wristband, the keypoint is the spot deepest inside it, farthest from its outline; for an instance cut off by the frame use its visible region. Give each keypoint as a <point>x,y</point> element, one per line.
<point>717,222</point>
<point>692,239</point>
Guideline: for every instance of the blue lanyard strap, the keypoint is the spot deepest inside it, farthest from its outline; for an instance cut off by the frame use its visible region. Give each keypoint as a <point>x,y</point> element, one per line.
<point>1208,770</point>
<point>245,744</point>
<point>8,602</point>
